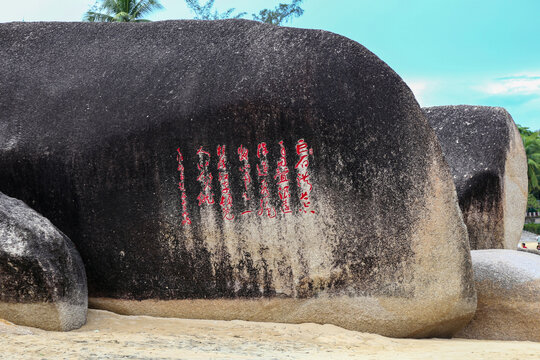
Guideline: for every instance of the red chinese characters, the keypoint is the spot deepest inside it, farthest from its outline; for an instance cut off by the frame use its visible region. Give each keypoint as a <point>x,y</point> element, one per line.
<point>181,185</point>
<point>262,170</point>
<point>223,178</point>
<point>243,154</point>
<point>205,178</point>
<point>302,178</point>
<point>282,179</point>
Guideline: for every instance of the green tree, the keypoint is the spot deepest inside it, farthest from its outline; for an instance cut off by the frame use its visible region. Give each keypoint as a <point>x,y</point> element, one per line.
<point>121,10</point>
<point>280,14</point>
<point>532,203</point>
<point>523,130</point>
<point>205,12</point>
<point>531,142</point>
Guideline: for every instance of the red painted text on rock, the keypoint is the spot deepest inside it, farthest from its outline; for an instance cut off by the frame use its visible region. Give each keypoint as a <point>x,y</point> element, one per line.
<point>223,178</point>
<point>265,209</point>
<point>303,176</point>
<point>182,186</point>
<point>206,196</point>
<point>282,173</point>
<point>243,157</point>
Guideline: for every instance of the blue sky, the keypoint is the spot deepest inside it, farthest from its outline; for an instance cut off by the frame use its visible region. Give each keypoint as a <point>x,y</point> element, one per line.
<point>482,52</point>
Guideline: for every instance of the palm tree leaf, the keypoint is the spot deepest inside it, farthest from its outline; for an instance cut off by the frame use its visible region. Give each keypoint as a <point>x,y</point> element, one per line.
<point>146,6</point>
<point>112,6</point>
<point>97,17</point>
<point>533,182</point>
<point>533,164</point>
<point>122,10</point>
<point>137,7</point>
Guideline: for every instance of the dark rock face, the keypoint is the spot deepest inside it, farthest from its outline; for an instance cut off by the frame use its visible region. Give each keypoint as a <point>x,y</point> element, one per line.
<point>484,150</point>
<point>231,161</point>
<point>508,286</point>
<point>42,277</point>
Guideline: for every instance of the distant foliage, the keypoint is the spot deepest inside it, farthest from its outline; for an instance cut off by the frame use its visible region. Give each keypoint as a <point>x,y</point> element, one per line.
<point>524,130</point>
<point>534,228</point>
<point>531,142</point>
<point>205,12</point>
<point>136,10</point>
<point>532,203</point>
<point>280,14</point>
<point>121,10</point>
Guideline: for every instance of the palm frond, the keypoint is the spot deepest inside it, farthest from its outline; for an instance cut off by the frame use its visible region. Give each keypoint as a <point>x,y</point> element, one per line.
<point>145,7</point>
<point>112,6</point>
<point>92,16</point>
<point>121,10</point>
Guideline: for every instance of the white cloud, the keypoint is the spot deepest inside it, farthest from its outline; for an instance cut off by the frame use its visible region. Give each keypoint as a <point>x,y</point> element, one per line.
<point>513,85</point>
<point>418,88</point>
<point>422,89</point>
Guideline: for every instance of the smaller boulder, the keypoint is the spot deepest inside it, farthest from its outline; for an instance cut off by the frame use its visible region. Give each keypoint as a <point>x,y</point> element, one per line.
<point>508,286</point>
<point>485,152</point>
<point>42,276</point>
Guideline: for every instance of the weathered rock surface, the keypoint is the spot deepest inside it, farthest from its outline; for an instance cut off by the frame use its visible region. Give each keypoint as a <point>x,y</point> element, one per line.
<point>42,277</point>
<point>508,286</point>
<point>529,250</point>
<point>485,152</point>
<point>236,170</point>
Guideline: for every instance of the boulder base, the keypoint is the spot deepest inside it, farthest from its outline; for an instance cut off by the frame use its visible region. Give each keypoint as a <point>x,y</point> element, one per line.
<point>42,277</point>
<point>508,286</point>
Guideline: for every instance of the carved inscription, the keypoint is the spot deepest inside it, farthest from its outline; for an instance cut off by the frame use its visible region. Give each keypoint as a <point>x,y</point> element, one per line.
<point>281,180</point>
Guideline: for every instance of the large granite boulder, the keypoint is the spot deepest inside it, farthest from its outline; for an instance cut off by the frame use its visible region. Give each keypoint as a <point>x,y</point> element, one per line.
<point>237,169</point>
<point>508,286</point>
<point>485,152</point>
<point>42,277</point>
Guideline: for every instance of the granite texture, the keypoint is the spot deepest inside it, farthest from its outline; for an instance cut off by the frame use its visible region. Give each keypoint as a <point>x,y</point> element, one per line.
<point>508,286</point>
<point>531,251</point>
<point>485,152</point>
<point>231,167</point>
<point>42,277</point>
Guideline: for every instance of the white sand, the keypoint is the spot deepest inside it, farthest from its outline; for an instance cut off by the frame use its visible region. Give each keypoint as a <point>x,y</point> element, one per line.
<point>111,336</point>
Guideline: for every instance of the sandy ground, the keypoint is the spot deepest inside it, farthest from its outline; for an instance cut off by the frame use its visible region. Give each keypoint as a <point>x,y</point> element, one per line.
<point>111,336</point>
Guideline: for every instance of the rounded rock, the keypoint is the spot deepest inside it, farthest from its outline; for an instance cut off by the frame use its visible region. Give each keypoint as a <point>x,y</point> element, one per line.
<point>485,152</point>
<point>508,287</point>
<point>42,277</point>
<point>236,170</point>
